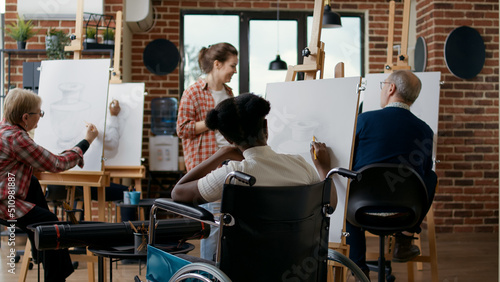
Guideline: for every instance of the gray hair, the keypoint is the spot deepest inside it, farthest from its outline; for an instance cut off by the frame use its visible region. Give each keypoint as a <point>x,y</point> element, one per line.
<point>408,85</point>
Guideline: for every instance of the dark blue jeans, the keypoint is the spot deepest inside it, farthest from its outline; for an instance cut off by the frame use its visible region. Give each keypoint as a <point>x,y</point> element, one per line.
<point>56,263</point>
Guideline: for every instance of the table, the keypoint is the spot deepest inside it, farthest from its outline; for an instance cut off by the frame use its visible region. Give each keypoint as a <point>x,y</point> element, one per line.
<point>143,203</point>
<point>127,252</point>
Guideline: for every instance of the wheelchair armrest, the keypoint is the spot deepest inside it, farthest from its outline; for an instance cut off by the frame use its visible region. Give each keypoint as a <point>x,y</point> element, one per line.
<point>345,173</point>
<point>194,212</point>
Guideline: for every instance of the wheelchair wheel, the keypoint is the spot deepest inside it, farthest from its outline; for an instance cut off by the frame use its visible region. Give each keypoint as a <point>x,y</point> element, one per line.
<point>345,261</point>
<point>200,272</point>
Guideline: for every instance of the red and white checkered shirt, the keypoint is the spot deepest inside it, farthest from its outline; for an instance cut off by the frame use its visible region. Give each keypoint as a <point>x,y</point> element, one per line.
<point>19,156</point>
<point>195,104</point>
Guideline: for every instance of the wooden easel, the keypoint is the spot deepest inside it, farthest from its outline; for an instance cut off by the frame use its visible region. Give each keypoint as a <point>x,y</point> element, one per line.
<point>137,173</point>
<point>116,73</point>
<point>402,62</point>
<point>314,62</point>
<point>87,179</point>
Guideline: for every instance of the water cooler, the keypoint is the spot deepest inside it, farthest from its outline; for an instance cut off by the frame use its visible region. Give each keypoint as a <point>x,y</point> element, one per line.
<point>163,146</point>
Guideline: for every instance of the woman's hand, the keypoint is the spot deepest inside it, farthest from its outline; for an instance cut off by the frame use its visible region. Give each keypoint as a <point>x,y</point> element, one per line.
<point>91,133</point>
<point>321,158</point>
<point>114,108</point>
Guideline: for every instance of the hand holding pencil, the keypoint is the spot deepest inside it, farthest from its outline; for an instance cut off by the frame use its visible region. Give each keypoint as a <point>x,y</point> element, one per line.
<point>320,157</point>
<point>91,132</point>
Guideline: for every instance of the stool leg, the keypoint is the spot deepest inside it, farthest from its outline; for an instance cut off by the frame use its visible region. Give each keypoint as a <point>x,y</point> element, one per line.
<point>381,259</point>
<point>26,261</point>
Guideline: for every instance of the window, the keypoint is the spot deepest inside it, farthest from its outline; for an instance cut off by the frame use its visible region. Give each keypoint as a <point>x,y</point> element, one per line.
<point>263,48</point>
<point>342,45</point>
<point>255,35</point>
<point>225,29</point>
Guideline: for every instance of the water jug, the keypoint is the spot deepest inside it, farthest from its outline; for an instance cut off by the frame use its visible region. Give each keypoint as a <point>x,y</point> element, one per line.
<point>163,116</point>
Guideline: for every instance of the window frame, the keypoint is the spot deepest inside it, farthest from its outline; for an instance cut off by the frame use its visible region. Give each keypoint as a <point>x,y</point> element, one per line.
<point>245,18</point>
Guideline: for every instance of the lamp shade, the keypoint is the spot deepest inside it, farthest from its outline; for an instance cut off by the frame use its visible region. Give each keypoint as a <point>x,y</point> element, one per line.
<point>331,19</point>
<point>278,64</point>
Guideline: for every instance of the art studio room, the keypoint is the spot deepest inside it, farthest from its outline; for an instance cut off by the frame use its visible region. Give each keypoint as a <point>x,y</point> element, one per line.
<point>230,140</point>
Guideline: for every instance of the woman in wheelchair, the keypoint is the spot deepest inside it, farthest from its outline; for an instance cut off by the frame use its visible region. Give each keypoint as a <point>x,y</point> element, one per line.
<point>242,121</point>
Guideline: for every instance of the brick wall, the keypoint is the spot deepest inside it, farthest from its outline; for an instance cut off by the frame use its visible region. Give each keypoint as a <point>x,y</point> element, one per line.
<point>467,199</point>
<point>468,122</point>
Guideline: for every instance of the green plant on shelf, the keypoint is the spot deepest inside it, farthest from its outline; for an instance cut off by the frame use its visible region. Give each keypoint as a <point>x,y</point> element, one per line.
<point>109,34</point>
<point>22,30</point>
<point>90,33</point>
<point>55,41</point>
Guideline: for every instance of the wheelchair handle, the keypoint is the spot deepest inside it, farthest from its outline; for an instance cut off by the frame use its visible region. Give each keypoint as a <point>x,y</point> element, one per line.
<point>344,172</point>
<point>243,177</point>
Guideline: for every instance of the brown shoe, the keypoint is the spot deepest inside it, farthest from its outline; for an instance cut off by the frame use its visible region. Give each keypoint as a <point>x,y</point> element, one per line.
<point>403,248</point>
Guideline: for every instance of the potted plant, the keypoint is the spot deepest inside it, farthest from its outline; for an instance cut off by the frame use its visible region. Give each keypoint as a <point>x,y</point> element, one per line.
<point>21,31</point>
<point>90,33</point>
<point>55,41</point>
<point>109,36</point>
<point>50,38</point>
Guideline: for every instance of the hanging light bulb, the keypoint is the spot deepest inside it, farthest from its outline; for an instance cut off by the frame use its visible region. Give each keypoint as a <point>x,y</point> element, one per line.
<point>331,19</point>
<point>278,63</point>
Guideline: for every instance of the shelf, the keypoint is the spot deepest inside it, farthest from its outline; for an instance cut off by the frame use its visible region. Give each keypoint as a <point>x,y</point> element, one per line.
<point>43,51</point>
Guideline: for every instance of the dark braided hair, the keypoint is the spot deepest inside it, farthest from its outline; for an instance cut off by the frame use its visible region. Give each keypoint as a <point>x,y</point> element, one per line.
<point>240,119</point>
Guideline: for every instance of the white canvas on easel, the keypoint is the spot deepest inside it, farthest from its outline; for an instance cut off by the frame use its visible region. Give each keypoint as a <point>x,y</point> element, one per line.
<point>127,150</point>
<point>73,92</point>
<point>324,108</point>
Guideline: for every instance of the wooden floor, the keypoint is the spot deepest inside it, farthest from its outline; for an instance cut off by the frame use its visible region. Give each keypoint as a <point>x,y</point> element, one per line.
<point>461,258</point>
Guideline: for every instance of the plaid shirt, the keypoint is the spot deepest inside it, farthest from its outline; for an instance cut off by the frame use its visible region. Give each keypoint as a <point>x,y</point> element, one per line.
<point>19,156</point>
<point>195,103</point>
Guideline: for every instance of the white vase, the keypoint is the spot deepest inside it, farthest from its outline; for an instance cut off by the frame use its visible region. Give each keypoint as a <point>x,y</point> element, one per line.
<point>51,40</point>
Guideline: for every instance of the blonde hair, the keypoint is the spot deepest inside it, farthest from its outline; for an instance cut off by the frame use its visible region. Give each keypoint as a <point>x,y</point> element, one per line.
<point>19,102</point>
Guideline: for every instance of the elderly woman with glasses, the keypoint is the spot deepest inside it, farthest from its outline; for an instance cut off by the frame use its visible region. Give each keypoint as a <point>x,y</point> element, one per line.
<point>21,198</point>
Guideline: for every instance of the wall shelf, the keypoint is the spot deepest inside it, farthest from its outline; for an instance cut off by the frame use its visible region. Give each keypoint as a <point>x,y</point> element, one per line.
<point>9,53</point>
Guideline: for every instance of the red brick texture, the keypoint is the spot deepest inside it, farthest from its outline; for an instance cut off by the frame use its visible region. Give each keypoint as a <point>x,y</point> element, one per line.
<point>467,199</point>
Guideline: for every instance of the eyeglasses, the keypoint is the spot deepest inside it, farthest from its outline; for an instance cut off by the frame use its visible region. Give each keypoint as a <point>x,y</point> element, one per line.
<point>382,84</point>
<point>41,113</point>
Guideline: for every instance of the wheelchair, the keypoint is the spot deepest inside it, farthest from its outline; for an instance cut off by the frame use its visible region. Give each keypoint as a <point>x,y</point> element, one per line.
<point>265,234</point>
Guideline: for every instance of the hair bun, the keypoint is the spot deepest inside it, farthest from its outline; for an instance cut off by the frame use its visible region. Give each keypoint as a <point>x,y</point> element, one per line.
<point>257,106</point>
<point>212,119</point>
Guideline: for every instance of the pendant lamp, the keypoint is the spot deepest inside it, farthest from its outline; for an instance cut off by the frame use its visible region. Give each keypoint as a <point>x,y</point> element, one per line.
<point>278,63</point>
<point>331,19</point>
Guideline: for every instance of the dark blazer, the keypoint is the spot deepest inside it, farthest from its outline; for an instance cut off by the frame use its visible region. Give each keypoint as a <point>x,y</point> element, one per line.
<point>395,135</point>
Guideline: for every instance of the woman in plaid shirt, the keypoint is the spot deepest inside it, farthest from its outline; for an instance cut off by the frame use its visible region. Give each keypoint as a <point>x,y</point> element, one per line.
<point>219,63</point>
<point>21,198</point>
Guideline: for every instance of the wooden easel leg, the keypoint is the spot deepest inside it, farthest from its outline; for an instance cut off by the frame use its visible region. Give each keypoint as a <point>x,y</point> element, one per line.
<point>87,206</point>
<point>101,197</point>
<point>138,187</point>
<point>25,262</point>
<point>411,271</point>
<point>418,243</point>
<point>90,268</point>
<point>431,231</point>
<point>290,74</point>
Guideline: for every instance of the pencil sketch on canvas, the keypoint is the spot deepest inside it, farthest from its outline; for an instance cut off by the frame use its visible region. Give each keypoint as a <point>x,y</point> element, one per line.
<point>123,138</point>
<point>324,108</point>
<point>73,93</point>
